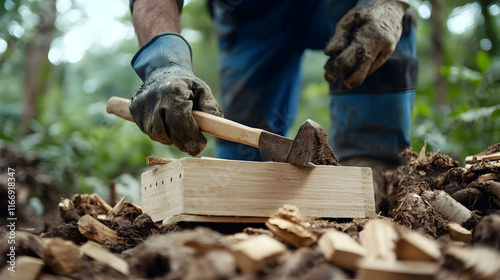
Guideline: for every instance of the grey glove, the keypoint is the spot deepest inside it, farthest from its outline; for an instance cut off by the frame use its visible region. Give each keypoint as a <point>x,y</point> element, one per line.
<point>364,38</point>
<point>162,106</point>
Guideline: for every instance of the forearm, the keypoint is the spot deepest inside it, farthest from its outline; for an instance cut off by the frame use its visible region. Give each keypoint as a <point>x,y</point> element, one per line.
<point>153,17</point>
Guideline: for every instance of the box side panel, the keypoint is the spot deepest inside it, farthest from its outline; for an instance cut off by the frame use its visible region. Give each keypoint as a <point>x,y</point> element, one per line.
<point>162,191</point>
<point>237,188</point>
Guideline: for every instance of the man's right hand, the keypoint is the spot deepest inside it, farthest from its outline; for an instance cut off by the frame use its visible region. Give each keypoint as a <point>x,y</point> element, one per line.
<point>163,104</point>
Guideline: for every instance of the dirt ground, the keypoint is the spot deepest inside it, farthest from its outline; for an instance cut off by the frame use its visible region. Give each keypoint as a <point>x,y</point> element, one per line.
<point>202,251</point>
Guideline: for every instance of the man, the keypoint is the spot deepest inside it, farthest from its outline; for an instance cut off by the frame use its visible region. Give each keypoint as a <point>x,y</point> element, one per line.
<point>372,72</point>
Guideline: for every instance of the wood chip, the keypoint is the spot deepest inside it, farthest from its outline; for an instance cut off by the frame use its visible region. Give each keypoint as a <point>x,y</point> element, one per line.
<point>116,209</point>
<point>379,239</point>
<point>62,256</point>
<point>341,249</point>
<point>152,161</point>
<point>105,257</point>
<point>459,233</point>
<point>26,268</point>
<point>372,269</point>
<point>289,225</point>
<point>255,253</point>
<point>413,246</point>
<point>95,230</point>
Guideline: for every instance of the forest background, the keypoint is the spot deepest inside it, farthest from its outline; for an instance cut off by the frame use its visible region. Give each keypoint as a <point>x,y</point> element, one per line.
<point>61,60</point>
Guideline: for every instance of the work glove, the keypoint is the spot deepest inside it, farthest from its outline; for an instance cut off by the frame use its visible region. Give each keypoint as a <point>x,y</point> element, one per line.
<point>162,106</point>
<point>363,40</point>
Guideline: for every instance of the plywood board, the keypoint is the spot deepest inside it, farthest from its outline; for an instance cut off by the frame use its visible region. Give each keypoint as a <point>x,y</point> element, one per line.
<point>214,187</point>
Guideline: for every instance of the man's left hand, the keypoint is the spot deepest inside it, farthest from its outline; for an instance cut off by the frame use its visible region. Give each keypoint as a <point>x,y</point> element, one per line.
<point>364,38</point>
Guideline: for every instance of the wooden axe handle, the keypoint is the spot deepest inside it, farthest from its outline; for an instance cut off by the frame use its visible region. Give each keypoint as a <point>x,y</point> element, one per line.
<point>209,124</point>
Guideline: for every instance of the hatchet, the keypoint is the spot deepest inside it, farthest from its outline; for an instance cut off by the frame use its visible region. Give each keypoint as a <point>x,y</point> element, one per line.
<point>309,146</point>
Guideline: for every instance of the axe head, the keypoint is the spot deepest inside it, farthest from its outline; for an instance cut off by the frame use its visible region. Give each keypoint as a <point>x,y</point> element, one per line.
<point>309,146</point>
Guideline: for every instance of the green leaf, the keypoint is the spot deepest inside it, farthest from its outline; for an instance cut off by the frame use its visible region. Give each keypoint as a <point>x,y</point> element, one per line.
<point>483,61</point>
<point>475,115</point>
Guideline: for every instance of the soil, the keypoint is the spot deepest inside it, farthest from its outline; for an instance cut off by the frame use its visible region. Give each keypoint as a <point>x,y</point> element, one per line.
<point>203,250</point>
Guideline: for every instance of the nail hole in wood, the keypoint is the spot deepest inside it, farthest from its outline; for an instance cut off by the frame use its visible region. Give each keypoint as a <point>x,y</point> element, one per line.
<point>171,179</point>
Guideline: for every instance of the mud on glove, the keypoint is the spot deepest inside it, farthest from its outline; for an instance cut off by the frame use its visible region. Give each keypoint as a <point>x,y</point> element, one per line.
<point>162,106</point>
<point>363,40</point>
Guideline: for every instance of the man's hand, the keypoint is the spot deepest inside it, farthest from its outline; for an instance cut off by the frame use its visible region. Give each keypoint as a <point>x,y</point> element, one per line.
<point>162,107</point>
<point>364,38</point>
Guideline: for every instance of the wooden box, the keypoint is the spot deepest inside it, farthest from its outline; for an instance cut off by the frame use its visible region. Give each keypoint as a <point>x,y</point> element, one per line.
<point>207,189</point>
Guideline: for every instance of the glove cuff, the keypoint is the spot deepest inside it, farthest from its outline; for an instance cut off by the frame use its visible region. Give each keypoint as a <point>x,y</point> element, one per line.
<point>162,51</point>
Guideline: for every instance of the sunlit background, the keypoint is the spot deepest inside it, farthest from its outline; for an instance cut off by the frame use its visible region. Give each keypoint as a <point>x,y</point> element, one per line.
<point>70,69</point>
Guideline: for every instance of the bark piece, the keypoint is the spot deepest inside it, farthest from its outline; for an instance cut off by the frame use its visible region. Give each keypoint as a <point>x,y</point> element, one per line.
<point>413,246</point>
<point>105,257</point>
<point>459,233</point>
<point>62,256</point>
<point>255,253</point>
<point>341,249</point>
<point>95,230</point>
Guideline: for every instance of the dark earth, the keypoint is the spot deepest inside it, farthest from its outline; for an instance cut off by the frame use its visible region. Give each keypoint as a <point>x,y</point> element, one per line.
<point>200,250</point>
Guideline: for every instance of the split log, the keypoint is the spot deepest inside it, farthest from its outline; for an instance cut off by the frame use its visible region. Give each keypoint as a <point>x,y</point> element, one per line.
<point>372,269</point>
<point>341,249</point>
<point>451,209</point>
<point>257,252</point>
<point>413,246</point>
<point>105,257</point>
<point>289,225</point>
<point>95,230</point>
<point>459,233</point>
<point>62,256</point>
<point>379,239</point>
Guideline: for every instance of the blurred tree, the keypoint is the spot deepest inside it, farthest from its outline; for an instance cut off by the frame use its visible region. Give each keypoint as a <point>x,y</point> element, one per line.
<point>38,68</point>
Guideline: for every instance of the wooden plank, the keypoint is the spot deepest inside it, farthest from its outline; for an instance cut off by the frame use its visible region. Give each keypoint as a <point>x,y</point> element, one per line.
<point>255,253</point>
<point>372,269</point>
<point>341,249</point>
<point>492,157</point>
<point>256,189</point>
<point>95,230</point>
<point>105,257</point>
<point>213,219</point>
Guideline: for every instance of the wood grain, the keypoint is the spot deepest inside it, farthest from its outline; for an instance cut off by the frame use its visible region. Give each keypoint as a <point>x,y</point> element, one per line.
<point>211,187</point>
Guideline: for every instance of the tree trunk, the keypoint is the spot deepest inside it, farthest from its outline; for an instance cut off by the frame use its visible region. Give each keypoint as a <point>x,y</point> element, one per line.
<point>489,26</point>
<point>438,50</point>
<point>37,64</point>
